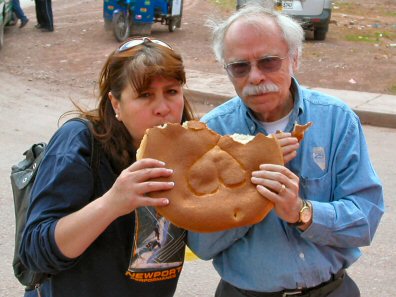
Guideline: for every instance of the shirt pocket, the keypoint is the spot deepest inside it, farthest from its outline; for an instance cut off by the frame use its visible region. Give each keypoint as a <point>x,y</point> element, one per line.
<point>316,188</point>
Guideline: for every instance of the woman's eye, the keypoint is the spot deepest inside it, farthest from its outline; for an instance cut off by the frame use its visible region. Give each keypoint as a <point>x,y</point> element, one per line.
<point>144,95</point>
<point>173,91</point>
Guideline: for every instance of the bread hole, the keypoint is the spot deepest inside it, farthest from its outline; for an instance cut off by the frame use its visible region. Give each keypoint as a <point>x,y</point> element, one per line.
<point>236,214</point>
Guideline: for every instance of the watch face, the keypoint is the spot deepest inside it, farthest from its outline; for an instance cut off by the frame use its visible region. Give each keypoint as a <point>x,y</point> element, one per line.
<point>305,214</point>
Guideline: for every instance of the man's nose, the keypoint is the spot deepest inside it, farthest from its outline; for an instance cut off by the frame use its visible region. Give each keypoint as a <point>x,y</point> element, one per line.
<point>256,76</point>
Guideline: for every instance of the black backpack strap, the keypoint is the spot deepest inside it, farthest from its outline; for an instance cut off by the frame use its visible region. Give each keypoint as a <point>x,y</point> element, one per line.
<point>95,153</point>
<point>95,162</point>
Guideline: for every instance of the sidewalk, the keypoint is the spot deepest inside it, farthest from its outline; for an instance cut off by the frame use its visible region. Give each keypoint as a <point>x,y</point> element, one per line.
<point>372,108</point>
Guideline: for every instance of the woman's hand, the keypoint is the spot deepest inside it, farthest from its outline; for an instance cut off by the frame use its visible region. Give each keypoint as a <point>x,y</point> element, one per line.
<point>281,186</point>
<point>289,145</point>
<point>128,192</point>
<point>130,189</point>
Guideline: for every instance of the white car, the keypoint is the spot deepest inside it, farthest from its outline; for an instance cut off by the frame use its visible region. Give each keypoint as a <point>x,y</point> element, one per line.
<point>313,15</point>
<point>5,17</point>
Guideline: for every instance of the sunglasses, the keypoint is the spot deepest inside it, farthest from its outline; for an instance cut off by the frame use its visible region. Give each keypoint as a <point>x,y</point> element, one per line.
<point>266,64</point>
<point>138,41</point>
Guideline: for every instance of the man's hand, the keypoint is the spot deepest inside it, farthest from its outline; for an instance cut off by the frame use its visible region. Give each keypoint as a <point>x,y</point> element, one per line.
<point>288,144</point>
<point>281,186</point>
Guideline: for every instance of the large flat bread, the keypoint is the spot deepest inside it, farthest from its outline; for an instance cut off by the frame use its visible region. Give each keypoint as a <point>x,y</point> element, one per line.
<point>213,191</point>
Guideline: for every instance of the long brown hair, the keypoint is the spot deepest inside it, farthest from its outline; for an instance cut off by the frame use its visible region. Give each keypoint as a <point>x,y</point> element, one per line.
<point>136,66</point>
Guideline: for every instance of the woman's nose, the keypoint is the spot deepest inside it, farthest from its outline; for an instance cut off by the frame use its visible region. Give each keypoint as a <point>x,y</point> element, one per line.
<point>162,107</point>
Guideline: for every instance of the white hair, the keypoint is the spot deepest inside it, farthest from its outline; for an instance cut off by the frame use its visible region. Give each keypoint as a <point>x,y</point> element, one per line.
<point>292,31</point>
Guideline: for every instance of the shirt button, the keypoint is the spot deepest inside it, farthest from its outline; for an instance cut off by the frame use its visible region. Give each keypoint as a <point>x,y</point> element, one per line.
<point>302,256</point>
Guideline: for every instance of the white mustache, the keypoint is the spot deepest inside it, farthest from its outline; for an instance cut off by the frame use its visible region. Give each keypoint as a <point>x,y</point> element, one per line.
<point>263,88</point>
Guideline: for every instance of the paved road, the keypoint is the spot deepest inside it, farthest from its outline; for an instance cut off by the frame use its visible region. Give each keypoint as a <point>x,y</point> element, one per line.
<point>30,113</point>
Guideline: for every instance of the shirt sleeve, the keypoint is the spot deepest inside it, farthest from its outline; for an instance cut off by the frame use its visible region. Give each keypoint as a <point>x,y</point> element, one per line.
<point>207,245</point>
<point>350,217</point>
<point>63,185</point>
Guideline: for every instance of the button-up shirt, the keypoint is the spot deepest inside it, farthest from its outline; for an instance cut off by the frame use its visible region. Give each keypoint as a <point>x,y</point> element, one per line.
<point>336,175</point>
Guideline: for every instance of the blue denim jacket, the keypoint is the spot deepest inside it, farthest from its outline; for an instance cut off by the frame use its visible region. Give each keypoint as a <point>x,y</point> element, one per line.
<point>336,175</point>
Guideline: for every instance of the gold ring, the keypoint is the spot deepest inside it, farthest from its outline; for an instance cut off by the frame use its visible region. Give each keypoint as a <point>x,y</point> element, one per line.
<point>283,188</point>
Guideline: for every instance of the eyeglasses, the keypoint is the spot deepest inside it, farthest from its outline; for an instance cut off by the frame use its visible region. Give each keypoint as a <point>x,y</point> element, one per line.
<point>138,41</point>
<point>266,64</point>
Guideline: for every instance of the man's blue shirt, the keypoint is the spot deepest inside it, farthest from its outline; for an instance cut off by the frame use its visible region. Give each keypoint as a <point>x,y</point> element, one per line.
<point>336,175</point>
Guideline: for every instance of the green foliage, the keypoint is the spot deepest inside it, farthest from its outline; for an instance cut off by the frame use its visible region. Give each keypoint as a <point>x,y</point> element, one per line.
<point>371,37</point>
<point>392,90</point>
<point>225,4</point>
<point>390,13</point>
<point>345,7</point>
<point>356,7</point>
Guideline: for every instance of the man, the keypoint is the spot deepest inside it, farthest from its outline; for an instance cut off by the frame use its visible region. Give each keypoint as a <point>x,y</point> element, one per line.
<point>17,9</point>
<point>45,21</point>
<point>328,200</point>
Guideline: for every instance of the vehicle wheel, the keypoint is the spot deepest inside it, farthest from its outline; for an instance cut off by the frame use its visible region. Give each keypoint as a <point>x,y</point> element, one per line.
<point>121,28</point>
<point>320,33</point>
<point>1,35</point>
<point>172,24</point>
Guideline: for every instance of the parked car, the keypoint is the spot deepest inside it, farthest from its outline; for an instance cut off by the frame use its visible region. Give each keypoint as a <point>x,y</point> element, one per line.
<point>313,15</point>
<point>5,17</point>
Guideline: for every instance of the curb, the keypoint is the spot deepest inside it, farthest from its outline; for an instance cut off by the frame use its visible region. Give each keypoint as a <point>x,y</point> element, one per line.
<point>385,120</point>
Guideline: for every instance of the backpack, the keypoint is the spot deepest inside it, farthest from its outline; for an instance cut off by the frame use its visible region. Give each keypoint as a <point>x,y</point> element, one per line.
<point>23,175</point>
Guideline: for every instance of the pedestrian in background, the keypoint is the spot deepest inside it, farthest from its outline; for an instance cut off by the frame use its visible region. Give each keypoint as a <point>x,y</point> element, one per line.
<point>45,20</point>
<point>16,7</point>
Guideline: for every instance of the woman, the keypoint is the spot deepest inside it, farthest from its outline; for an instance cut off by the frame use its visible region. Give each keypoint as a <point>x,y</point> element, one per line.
<point>84,238</point>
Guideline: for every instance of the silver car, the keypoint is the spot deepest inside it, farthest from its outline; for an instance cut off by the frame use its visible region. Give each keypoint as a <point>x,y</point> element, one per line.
<point>314,15</point>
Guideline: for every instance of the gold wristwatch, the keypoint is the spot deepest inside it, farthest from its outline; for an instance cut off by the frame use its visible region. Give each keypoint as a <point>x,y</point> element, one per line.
<point>305,214</point>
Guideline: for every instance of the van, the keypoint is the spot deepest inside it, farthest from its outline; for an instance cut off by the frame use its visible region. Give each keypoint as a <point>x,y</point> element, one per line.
<point>313,15</point>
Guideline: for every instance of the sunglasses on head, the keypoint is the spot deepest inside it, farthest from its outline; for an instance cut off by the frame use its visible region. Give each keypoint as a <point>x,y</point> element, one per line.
<point>266,64</point>
<point>138,41</point>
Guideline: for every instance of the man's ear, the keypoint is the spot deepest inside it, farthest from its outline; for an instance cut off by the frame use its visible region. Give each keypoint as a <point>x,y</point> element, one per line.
<point>115,103</point>
<point>295,63</point>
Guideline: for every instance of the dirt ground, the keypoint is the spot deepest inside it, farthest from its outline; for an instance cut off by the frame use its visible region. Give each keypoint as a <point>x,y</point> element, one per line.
<point>71,57</point>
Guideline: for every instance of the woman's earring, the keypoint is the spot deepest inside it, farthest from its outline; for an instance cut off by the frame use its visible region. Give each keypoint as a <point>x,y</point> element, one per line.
<point>117,116</point>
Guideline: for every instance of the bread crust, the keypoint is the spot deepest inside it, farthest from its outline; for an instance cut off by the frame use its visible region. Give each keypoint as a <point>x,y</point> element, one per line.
<point>213,191</point>
<point>299,130</point>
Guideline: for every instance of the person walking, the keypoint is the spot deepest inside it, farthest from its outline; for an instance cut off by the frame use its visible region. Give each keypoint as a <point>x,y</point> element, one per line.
<point>45,21</point>
<point>17,9</point>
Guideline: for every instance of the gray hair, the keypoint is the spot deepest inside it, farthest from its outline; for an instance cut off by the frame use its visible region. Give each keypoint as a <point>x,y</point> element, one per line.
<point>291,29</point>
